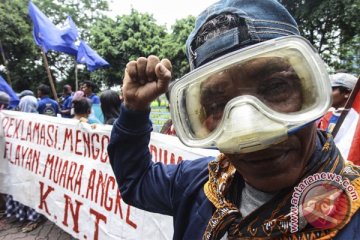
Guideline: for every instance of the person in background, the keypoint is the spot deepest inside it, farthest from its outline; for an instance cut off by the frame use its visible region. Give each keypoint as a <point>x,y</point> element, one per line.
<point>80,86</point>
<point>4,100</point>
<point>89,88</point>
<point>46,105</point>
<point>28,104</point>
<point>66,102</point>
<point>342,85</point>
<point>247,95</point>
<point>77,95</point>
<point>82,110</point>
<point>110,106</point>
<point>25,93</point>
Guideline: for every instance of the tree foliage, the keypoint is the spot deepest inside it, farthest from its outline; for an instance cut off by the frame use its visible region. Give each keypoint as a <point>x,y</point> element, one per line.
<point>17,44</point>
<point>174,46</point>
<point>332,26</point>
<point>124,39</point>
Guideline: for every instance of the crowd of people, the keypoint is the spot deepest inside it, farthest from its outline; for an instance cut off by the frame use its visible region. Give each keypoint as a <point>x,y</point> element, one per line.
<point>77,105</point>
<point>81,104</point>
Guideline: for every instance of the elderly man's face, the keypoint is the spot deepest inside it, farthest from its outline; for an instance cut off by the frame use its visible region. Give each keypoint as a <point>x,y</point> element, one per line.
<point>276,84</point>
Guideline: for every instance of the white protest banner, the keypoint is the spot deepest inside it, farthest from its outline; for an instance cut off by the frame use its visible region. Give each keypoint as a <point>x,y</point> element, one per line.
<point>60,167</point>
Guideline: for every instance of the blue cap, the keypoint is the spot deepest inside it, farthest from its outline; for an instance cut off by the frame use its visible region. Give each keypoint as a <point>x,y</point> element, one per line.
<point>264,19</point>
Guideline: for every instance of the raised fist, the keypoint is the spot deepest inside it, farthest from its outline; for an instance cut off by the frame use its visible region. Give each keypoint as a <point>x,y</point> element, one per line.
<point>144,81</point>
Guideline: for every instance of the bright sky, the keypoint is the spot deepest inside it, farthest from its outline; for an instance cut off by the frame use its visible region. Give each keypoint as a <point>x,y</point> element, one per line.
<point>164,11</point>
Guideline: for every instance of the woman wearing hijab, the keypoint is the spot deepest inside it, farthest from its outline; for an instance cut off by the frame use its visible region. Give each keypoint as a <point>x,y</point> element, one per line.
<point>28,104</point>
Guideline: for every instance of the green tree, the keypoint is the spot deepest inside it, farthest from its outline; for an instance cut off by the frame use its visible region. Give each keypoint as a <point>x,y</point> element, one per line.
<point>174,46</point>
<point>349,59</point>
<point>18,48</point>
<point>124,39</point>
<point>331,26</point>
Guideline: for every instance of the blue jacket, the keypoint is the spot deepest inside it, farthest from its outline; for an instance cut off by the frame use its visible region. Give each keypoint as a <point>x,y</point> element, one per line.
<point>67,106</point>
<point>175,190</point>
<point>94,99</point>
<point>48,106</point>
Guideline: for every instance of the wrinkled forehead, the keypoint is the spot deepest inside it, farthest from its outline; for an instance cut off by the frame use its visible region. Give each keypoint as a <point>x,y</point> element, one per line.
<point>247,71</point>
<point>259,67</point>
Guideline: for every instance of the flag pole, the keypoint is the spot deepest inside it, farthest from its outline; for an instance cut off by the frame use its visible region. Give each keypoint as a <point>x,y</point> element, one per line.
<point>347,107</point>
<point>49,75</point>
<point>76,76</point>
<point>6,65</point>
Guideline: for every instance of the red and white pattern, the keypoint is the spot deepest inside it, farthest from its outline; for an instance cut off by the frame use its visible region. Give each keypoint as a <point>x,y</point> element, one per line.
<point>348,136</point>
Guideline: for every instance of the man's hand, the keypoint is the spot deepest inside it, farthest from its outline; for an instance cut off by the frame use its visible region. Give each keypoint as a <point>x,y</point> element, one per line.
<point>145,80</point>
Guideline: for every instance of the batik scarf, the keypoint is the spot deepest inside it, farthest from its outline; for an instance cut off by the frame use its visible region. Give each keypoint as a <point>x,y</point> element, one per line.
<point>273,220</point>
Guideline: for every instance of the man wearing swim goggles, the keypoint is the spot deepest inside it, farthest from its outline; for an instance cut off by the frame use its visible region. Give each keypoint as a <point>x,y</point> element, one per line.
<point>255,91</point>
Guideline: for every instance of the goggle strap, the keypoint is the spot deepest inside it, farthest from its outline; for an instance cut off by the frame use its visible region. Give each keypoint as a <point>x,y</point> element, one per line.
<point>294,130</point>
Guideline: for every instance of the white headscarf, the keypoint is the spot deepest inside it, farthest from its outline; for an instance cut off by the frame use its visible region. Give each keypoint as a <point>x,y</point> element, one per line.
<point>28,104</point>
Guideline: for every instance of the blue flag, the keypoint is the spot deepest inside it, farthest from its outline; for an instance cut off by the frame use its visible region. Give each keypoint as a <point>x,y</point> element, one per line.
<point>88,56</point>
<point>4,87</point>
<point>50,37</point>
<point>69,30</point>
